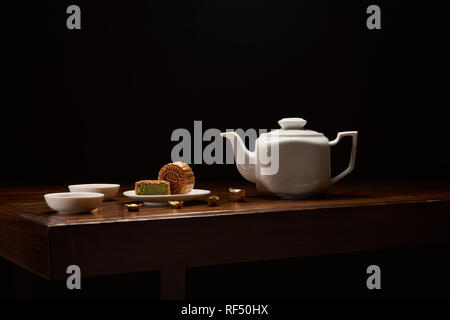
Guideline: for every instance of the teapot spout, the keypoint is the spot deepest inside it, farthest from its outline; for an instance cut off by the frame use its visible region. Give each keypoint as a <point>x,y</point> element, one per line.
<point>245,159</point>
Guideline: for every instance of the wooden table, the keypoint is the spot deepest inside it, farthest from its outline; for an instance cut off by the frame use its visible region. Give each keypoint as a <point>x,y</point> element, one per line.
<point>349,218</point>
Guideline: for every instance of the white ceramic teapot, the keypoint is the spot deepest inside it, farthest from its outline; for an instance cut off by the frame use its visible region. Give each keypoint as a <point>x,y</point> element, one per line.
<point>291,162</point>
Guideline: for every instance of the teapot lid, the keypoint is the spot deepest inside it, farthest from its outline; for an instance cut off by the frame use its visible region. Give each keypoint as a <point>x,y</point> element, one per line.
<point>292,123</point>
<point>294,127</point>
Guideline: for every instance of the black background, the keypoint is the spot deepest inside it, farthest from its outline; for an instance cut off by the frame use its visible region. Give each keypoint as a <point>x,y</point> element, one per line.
<point>407,273</point>
<point>83,105</point>
<point>100,104</point>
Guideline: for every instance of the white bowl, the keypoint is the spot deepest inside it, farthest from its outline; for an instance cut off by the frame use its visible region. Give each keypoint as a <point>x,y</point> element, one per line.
<point>74,202</point>
<point>108,189</point>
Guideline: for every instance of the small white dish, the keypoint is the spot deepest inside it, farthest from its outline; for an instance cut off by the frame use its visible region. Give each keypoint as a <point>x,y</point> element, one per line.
<point>74,202</point>
<point>108,189</point>
<point>194,194</point>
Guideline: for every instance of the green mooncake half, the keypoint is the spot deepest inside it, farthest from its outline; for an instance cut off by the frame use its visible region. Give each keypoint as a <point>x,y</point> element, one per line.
<point>152,187</point>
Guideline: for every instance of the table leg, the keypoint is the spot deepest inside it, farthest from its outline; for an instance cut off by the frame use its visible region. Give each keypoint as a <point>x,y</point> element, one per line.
<point>173,284</point>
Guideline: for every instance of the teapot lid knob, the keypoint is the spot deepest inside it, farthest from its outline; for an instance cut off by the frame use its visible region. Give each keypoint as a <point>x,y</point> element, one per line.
<point>292,123</point>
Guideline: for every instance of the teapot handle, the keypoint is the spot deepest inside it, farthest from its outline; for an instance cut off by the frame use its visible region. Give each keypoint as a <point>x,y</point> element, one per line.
<point>351,166</point>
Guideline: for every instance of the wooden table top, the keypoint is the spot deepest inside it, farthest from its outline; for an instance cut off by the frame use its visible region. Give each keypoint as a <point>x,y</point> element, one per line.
<point>28,202</point>
<point>111,240</point>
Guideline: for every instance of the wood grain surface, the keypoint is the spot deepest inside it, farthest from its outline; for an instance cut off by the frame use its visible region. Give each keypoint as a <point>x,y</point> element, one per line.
<point>349,218</point>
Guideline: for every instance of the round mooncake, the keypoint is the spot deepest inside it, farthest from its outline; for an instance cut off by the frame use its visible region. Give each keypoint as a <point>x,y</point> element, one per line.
<point>180,176</point>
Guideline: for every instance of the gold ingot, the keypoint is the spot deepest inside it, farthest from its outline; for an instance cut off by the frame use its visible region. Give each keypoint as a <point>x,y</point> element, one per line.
<point>237,194</point>
<point>212,201</point>
<point>176,204</point>
<point>133,206</point>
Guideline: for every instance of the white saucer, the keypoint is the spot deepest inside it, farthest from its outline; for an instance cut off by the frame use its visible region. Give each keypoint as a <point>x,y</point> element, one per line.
<point>194,194</point>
